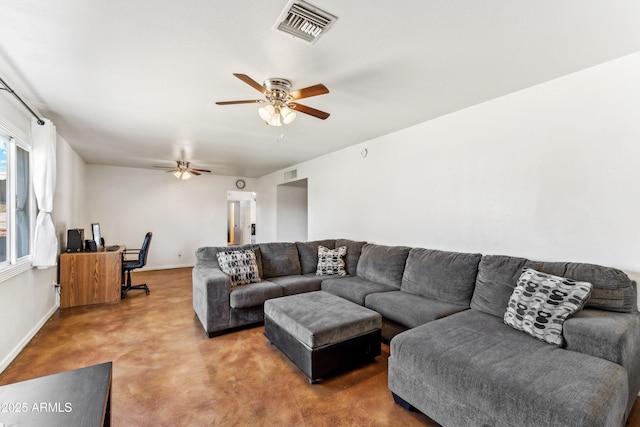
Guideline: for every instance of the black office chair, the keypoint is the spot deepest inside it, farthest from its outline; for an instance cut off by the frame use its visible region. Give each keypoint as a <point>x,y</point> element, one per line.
<point>128,265</point>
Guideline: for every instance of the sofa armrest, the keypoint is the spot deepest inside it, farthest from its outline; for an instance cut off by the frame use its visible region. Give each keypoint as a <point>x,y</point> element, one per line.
<point>609,335</point>
<point>211,288</point>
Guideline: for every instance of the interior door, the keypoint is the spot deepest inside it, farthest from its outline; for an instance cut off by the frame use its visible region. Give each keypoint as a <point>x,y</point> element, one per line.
<point>241,217</point>
<point>234,234</point>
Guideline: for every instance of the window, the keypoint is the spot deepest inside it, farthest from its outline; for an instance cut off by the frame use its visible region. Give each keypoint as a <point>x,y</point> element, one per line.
<point>15,203</point>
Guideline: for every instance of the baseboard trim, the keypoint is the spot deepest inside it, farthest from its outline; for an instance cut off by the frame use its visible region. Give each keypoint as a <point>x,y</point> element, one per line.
<point>165,267</point>
<point>32,333</point>
<point>23,343</point>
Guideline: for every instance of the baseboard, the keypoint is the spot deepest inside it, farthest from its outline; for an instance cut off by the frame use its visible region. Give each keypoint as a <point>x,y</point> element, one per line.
<point>164,267</point>
<point>23,343</point>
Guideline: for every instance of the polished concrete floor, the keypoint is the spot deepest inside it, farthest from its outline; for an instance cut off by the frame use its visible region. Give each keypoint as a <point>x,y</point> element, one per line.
<point>167,373</point>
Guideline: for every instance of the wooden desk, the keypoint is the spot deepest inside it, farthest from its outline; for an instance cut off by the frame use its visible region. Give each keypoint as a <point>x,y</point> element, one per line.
<point>90,277</point>
<point>81,398</point>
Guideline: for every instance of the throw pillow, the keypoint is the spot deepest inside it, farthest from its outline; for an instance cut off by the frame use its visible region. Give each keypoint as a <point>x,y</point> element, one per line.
<point>540,303</point>
<point>331,261</point>
<point>240,266</point>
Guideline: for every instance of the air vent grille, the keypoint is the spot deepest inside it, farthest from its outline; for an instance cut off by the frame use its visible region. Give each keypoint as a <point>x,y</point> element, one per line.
<point>292,174</point>
<point>304,21</point>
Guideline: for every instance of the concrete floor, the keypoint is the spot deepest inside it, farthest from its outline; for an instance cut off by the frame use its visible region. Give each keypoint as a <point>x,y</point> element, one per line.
<point>166,372</point>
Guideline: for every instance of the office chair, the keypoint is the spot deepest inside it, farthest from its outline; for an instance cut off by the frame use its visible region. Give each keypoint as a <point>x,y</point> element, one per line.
<point>128,265</point>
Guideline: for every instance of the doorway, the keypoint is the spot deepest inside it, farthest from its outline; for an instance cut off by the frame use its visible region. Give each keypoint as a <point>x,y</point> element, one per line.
<point>292,211</point>
<point>241,217</point>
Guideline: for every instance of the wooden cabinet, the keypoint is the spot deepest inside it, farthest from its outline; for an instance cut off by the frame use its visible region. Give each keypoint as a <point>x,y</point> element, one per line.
<point>90,277</point>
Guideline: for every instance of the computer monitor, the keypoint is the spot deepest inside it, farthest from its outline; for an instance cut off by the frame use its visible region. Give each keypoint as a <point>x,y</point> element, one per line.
<point>97,237</point>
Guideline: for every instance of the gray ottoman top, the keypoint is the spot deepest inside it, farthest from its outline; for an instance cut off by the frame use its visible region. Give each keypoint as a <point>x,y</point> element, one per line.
<point>320,318</point>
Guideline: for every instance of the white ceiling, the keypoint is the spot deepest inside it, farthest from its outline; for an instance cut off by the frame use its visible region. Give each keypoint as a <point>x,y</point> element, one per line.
<point>134,82</point>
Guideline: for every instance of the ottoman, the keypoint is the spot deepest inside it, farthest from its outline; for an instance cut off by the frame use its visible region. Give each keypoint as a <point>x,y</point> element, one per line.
<point>321,333</point>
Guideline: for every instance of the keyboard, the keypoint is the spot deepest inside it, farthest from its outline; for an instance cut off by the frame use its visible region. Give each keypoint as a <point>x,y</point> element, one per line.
<point>112,248</point>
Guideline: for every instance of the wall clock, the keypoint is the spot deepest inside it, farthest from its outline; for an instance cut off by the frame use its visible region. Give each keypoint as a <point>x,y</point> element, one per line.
<point>240,184</point>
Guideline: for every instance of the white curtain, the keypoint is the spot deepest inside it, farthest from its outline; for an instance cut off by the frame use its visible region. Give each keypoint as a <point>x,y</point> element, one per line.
<point>45,248</point>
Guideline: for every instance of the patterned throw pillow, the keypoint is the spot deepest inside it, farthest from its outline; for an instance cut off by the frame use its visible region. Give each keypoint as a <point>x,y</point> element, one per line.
<point>240,266</point>
<point>331,261</point>
<point>541,302</point>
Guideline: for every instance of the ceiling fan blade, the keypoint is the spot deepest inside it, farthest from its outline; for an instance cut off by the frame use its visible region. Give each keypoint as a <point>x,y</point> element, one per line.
<point>251,101</point>
<point>308,110</point>
<point>201,170</point>
<point>254,84</point>
<point>194,172</point>
<point>307,92</point>
<point>173,170</point>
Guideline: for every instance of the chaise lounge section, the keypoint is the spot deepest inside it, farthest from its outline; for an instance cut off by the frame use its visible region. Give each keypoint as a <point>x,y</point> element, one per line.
<point>471,368</point>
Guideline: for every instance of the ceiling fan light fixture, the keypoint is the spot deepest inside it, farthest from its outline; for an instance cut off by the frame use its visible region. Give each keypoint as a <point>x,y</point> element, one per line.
<point>276,116</point>
<point>182,174</point>
<point>288,115</point>
<point>183,170</point>
<point>266,112</point>
<point>281,104</point>
<point>276,119</point>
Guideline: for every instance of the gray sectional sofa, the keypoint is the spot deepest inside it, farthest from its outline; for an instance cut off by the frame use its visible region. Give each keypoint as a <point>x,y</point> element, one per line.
<point>285,269</point>
<point>452,355</point>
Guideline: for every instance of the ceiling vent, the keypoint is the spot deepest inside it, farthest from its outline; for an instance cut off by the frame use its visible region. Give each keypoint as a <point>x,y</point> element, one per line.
<point>292,174</point>
<point>304,21</point>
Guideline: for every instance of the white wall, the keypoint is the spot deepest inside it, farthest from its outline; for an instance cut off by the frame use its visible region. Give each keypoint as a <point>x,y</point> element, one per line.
<point>182,214</point>
<point>70,209</point>
<point>549,173</point>
<point>292,213</point>
<point>29,299</point>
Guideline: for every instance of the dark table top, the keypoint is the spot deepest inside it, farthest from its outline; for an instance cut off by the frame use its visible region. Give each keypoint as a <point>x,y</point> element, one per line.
<point>72,398</point>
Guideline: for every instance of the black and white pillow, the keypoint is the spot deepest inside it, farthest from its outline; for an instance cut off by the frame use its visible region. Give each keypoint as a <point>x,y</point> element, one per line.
<point>540,303</point>
<point>240,266</point>
<point>331,261</point>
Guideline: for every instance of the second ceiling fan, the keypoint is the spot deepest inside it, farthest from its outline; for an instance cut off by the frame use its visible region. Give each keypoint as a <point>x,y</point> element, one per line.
<point>280,100</point>
<point>183,169</point>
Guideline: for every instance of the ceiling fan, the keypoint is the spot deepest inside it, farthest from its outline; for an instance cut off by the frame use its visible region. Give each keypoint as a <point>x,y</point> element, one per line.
<point>183,170</point>
<point>280,100</point>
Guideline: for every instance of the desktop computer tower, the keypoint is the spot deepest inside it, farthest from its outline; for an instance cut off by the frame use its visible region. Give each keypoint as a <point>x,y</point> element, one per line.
<point>75,239</point>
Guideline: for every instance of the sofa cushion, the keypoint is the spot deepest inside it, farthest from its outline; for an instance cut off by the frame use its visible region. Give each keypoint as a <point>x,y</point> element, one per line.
<point>497,276</point>
<point>409,310</point>
<point>355,288</point>
<point>383,264</point>
<point>541,302</point>
<point>612,289</point>
<point>255,294</point>
<point>297,284</point>
<point>471,369</point>
<point>308,254</point>
<point>331,261</point>
<point>354,250</point>
<point>279,259</point>
<point>444,276</point>
<point>207,256</point>
<point>240,266</point>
